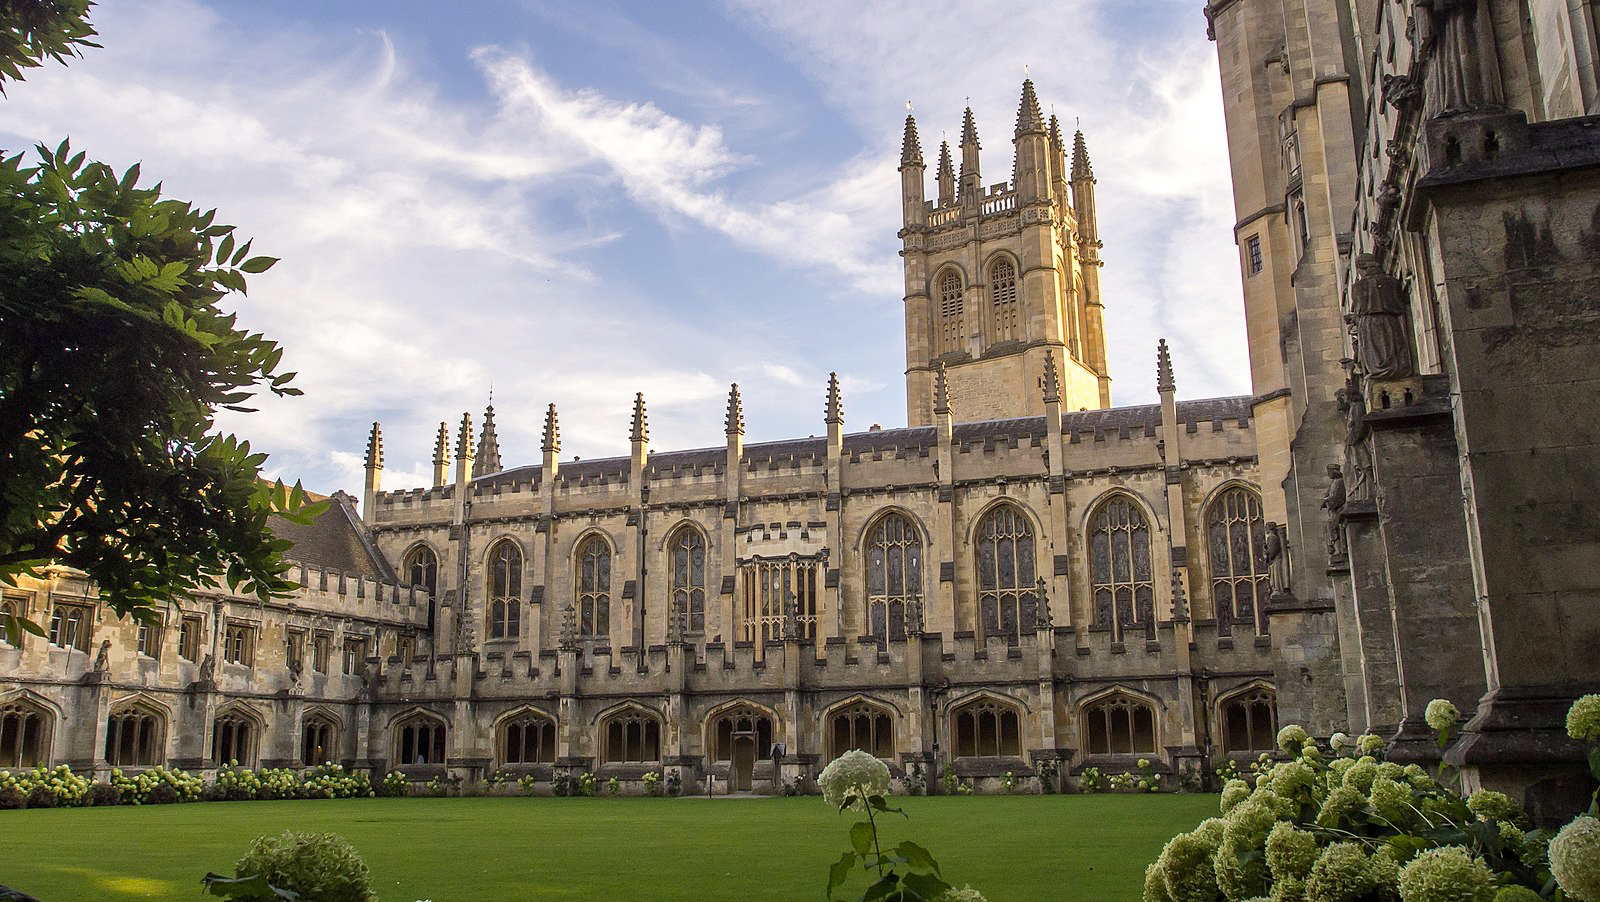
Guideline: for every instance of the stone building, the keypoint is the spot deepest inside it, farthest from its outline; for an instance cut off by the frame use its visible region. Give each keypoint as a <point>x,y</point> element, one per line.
<point>1418,186</point>
<point>1022,575</point>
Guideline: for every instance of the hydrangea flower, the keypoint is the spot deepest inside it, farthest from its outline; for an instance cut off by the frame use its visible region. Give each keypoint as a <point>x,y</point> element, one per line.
<point>1338,740</point>
<point>1342,801</point>
<point>853,777</point>
<point>1290,852</point>
<point>1441,715</point>
<point>1245,829</point>
<point>1289,777</point>
<point>1292,737</point>
<point>1583,719</point>
<point>1186,868</point>
<point>964,894</point>
<point>1361,774</point>
<point>1234,792</point>
<point>1392,802</point>
<point>1418,776</point>
<point>1575,858</point>
<point>1489,805</point>
<point>1446,874</point>
<point>1341,874</point>
<point>1368,743</point>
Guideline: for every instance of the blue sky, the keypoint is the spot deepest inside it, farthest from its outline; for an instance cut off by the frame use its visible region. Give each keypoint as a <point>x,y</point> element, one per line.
<point>574,201</point>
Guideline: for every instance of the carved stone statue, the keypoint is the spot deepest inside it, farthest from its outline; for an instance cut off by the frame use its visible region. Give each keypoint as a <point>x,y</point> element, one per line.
<point>102,660</point>
<point>296,671</point>
<point>1357,456</point>
<point>1465,67</point>
<point>1378,309</point>
<point>913,618</point>
<point>1277,552</point>
<point>569,627</point>
<point>1333,503</point>
<point>208,669</point>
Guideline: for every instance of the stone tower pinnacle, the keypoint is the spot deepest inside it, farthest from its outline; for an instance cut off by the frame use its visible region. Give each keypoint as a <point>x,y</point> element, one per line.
<point>552,432</point>
<point>911,145</point>
<point>1052,382</point>
<point>375,448</point>
<point>735,419</point>
<point>1029,118</point>
<point>941,392</point>
<point>464,450</point>
<point>640,432</point>
<point>374,468</point>
<point>1080,158</point>
<point>945,175</point>
<point>441,455</point>
<point>833,412</point>
<point>488,459</point>
<point>1164,378</point>
<point>971,180</point>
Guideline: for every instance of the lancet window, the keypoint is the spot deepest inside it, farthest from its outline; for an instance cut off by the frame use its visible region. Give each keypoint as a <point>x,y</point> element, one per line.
<point>1007,586</point>
<point>1120,570</point>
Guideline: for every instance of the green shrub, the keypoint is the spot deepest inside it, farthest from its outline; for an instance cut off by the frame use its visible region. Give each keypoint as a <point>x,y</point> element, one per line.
<point>103,794</point>
<point>12,797</point>
<point>321,867</point>
<point>41,796</point>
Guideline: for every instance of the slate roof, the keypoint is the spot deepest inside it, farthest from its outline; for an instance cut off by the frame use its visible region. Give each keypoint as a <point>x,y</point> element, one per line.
<point>911,438</point>
<point>336,540</point>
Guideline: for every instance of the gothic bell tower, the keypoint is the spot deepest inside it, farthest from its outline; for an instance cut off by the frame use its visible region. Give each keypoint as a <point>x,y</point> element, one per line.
<point>999,276</point>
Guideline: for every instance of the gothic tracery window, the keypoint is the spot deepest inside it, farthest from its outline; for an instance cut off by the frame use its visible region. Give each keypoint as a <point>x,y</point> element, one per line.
<point>1006,577</point>
<point>1240,585</point>
<point>687,552</point>
<point>528,738</point>
<point>1120,725</point>
<point>894,575</point>
<point>950,329</point>
<point>986,729</point>
<point>594,587</point>
<point>1120,569</point>
<point>505,591</point>
<point>419,740</point>
<point>134,738</point>
<point>1003,290</point>
<point>862,726</point>
<point>233,739</point>
<point>422,569</point>
<point>633,737</point>
<point>24,734</point>
<point>744,720</point>
<point>776,589</point>
<point>1250,722</point>
<point>318,741</point>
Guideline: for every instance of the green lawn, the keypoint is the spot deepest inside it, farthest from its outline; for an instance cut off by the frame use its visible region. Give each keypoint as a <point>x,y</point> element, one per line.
<point>1014,849</point>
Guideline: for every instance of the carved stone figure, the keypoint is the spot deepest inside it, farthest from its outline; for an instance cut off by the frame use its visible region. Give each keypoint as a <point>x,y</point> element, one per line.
<point>102,661</point>
<point>1378,308</point>
<point>1358,457</point>
<point>1465,70</point>
<point>569,627</point>
<point>913,618</point>
<point>1276,547</point>
<point>1333,503</point>
<point>208,669</point>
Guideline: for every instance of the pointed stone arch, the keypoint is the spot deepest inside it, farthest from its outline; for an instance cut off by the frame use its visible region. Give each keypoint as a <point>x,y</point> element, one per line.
<point>1119,720</point>
<point>630,733</point>
<point>236,734</point>
<point>1247,718</point>
<point>862,722</point>
<point>419,737</point>
<point>736,716</point>
<point>1121,535</point>
<point>985,724</point>
<point>27,730</point>
<point>525,735</point>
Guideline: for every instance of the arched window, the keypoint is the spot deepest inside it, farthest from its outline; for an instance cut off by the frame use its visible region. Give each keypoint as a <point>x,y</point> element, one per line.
<point>594,587</point>
<point>233,738</point>
<point>633,737</point>
<point>687,552</point>
<point>1250,722</point>
<point>862,726</point>
<point>894,575</point>
<point>950,329</point>
<point>319,741</point>
<point>987,729</point>
<point>528,738</point>
<point>134,738</point>
<point>780,598</point>
<point>419,740</point>
<point>1003,289</point>
<point>1119,725</point>
<point>422,569</point>
<point>742,720</point>
<point>1006,583</point>
<point>9,608</point>
<point>1119,568</point>
<point>1237,535</point>
<point>24,733</point>
<point>505,591</point>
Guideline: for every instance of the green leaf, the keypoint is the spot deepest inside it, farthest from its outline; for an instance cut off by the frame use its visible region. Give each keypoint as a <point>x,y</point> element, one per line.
<point>258,264</point>
<point>916,857</point>
<point>861,836</point>
<point>839,871</point>
<point>926,886</point>
<point>885,888</point>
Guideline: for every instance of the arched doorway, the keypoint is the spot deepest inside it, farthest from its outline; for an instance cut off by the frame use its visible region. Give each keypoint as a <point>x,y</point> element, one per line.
<point>744,761</point>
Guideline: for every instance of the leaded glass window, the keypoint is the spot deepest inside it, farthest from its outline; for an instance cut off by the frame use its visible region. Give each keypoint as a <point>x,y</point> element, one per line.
<point>420,740</point>
<point>422,569</point>
<point>1120,725</point>
<point>1239,582</point>
<point>24,735</point>
<point>633,736</point>
<point>1250,722</point>
<point>743,720</point>
<point>987,729</point>
<point>1006,578</point>
<point>950,329</point>
<point>894,576</point>
<point>1120,568</point>
<point>528,739</point>
<point>776,591</point>
<point>1003,289</point>
<point>862,726</point>
<point>688,555</point>
<point>505,591</point>
<point>594,587</point>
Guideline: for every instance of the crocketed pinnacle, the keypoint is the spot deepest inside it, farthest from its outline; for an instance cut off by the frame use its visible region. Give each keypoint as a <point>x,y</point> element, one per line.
<point>641,423</point>
<point>1080,158</point>
<point>941,392</point>
<point>946,169</point>
<point>1164,378</point>
<point>552,432</point>
<point>735,421</point>
<point>911,147</point>
<point>375,448</point>
<point>1052,382</point>
<point>441,445</point>
<point>1029,118</point>
<point>969,130</point>
<point>1055,135</point>
<point>488,459</point>
<point>834,411</point>
<point>464,438</point>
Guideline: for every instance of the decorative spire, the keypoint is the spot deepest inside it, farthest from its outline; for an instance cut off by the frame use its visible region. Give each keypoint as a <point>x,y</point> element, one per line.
<point>552,432</point>
<point>1029,119</point>
<point>1052,382</point>
<point>735,421</point>
<point>641,424</point>
<point>969,130</point>
<point>464,438</point>
<point>1055,135</point>
<point>1164,379</point>
<point>941,392</point>
<point>911,146</point>
<point>441,445</point>
<point>834,411</point>
<point>1080,158</point>
<point>488,460</point>
<point>375,449</point>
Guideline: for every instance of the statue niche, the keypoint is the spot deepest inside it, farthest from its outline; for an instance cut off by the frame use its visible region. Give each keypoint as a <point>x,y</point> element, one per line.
<point>1378,313</point>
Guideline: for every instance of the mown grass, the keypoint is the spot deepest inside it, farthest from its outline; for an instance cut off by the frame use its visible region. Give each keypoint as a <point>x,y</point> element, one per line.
<point>1014,849</point>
